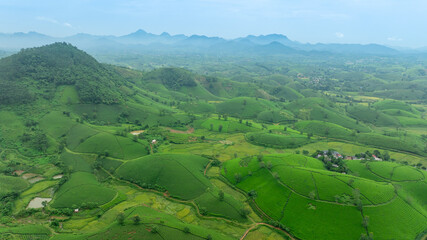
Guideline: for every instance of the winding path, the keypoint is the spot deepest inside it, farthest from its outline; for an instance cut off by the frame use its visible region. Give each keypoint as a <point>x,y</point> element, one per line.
<point>267,225</point>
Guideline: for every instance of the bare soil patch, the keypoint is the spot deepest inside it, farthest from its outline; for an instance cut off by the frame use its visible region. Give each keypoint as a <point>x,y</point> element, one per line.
<point>36,179</point>
<point>18,172</point>
<point>29,175</point>
<point>58,176</point>
<point>226,142</point>
<point>38,202</point>
<point>189,131</point>
<point>136,133</point>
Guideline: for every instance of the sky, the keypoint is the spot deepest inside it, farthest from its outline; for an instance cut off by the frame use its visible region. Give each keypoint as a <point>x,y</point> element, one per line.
<point>388,22</point>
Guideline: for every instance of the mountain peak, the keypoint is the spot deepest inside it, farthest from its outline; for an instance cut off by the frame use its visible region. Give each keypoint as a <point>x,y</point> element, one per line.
<point>51,65</point>
<point>29,34</point>
<point>276,35</point>
<point>140,31</point>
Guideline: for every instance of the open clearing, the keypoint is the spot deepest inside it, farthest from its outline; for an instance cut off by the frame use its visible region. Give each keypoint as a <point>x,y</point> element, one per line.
<point>38,202</point>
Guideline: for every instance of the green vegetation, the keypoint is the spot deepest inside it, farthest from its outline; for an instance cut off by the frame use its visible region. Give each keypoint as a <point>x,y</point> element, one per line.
<point>323,110</point>
<point>82,190</point>
<point>180,175</point>
<point>277,140</point>
<point>25,232</point>
<point>229,126</point>
<point>244,107</point>
<point>58,64</point>
<point>116,146</point>
<point>9,184</point>
<point>275,116</point>
<point>325,129</point>
<point>108,152</point>
<point>301,197</point>
<point>371,116</point>
<point>77,162</point>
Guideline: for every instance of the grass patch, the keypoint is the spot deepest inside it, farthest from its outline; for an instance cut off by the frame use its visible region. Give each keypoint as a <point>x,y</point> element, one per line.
<point>244,107</point>
<point>271,196</point>
<point>77,162</point>
<point>396,220</point>
<point>229,126</point>
<point>179,174</point>
<point>325,129</point>
<point>78,134</point>
<point>82,188</point>
<point>9,184</point>
<point>286,140</point>
<point>115,146</point>
<point>228,208</point>
<point>308,219</point>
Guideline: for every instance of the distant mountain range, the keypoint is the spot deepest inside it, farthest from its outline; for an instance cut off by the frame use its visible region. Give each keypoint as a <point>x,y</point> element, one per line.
<point>142,41</point>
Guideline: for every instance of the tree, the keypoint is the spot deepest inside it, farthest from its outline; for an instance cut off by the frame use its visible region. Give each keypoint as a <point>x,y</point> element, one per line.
<point>252,194</point>
<point>260,157</point>
<point>244,212</point>
<point>209,237</point>
<point>305,152</point>
<point>377,153</point>
<point>327,132</point>
<point>356,199</point>
<point>219,128</point>
<point>365,222</point>
<point>366,237</point>
<point>121,218</point>
<point>312,194</point>
<point>386,156</point>
<point>186,229</point>
<point>136,219</point>
<point>54,223</point>
<point>211,126</point>
<point>238,177</point>
<point>221,195</point>
<point>40,142</point>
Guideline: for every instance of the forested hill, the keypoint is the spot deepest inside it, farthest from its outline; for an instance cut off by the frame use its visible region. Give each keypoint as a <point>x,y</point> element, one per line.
<point>38,71</point>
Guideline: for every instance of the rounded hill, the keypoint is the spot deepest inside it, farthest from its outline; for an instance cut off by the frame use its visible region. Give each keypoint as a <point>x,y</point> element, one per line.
<point>179,174</point>
<point>296,191</point>
<point>36,72</point>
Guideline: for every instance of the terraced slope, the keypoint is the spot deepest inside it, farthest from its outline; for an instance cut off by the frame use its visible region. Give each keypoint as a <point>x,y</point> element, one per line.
<point>297,192</point>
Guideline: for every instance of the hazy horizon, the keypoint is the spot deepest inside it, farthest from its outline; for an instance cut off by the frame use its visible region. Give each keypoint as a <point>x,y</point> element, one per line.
<point>391,23</point>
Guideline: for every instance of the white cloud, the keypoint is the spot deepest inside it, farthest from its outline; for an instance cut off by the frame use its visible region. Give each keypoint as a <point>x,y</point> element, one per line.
<point>339,34</point>
<point>54,21</point>
<point>46,19</point>
<point>394,39</point>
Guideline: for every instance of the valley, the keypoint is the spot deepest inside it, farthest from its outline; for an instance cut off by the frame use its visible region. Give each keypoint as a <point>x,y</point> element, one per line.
<point>313,146</point>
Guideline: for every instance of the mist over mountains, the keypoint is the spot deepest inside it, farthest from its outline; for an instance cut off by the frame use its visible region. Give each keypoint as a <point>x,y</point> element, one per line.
<point>142,41</point>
